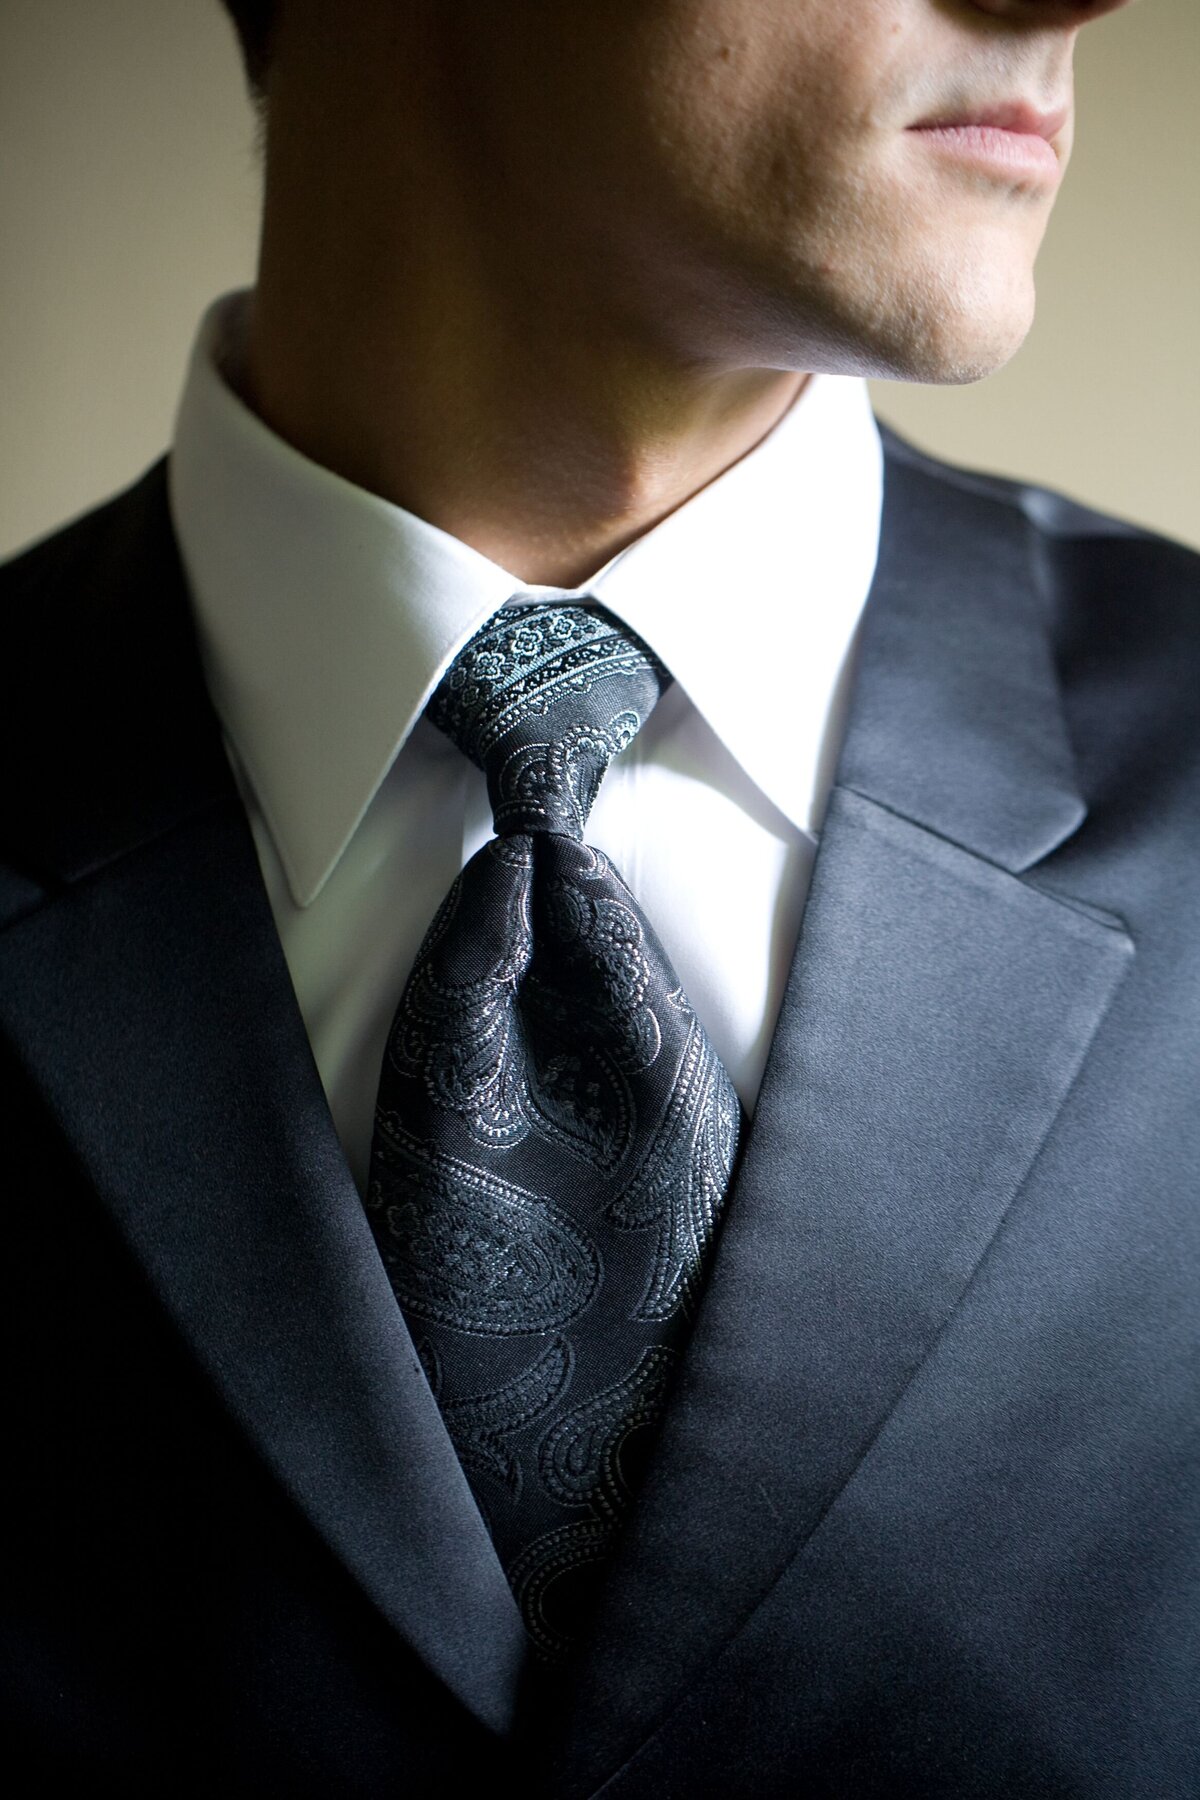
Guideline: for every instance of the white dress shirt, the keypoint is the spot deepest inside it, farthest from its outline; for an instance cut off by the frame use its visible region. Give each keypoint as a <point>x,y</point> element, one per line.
<point>326,617</point>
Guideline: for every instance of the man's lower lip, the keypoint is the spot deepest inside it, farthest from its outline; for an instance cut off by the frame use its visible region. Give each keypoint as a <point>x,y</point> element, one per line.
<point>1006,152</point>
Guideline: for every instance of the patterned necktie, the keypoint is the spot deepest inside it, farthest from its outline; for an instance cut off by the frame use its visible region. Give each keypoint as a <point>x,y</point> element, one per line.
<point>554,1135</point>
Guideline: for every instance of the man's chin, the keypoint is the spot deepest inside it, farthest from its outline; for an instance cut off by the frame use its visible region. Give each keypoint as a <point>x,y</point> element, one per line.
<point>931,324</point>
<point>952,340</point>
<point>957,366</point>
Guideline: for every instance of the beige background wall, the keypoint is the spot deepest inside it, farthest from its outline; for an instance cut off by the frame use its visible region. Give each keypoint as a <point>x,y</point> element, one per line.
<point>128,197</point>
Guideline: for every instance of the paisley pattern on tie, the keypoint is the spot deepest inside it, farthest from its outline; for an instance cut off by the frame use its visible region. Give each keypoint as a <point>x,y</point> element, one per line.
<point>467,1250</point>
<point>554,1135</point>
<point>482,1424</point>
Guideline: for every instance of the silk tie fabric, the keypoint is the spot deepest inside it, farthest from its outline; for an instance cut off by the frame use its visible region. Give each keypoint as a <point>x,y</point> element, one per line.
<point>554,1135</point>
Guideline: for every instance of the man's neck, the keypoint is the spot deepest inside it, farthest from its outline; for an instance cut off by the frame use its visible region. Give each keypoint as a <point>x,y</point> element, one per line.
<point>526,398</point>
<point>548,478</point>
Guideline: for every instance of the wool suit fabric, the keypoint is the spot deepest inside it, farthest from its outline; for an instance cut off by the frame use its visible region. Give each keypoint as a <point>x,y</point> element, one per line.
<point>923,1516</point>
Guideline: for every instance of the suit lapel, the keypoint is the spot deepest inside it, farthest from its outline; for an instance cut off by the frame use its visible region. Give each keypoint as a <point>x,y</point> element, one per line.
<point>938,1011</point>
<point>156,958</point>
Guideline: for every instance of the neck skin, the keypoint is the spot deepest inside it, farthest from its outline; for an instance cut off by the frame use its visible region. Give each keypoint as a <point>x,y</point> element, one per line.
<point>422,330</point>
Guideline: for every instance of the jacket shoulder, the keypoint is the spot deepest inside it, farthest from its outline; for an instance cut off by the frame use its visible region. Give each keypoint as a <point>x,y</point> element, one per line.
<point>1113,594</point>
<point>1047,513</point>
<point>1121,609</point>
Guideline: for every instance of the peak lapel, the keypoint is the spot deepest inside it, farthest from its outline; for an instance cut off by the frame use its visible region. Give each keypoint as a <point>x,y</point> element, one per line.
<point>149,999</point>
<point>938,1011</point>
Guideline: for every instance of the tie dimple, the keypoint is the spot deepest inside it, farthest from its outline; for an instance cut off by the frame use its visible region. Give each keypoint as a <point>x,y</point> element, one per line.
<point>542,699</point>
<point>554,1134</point>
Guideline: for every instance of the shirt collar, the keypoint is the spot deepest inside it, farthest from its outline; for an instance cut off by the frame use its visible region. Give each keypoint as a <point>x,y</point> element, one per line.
<point>326,615</point>
<point>751,592</point>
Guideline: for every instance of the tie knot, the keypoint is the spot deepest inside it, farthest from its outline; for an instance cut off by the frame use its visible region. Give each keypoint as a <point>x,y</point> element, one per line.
<point>543,698</point>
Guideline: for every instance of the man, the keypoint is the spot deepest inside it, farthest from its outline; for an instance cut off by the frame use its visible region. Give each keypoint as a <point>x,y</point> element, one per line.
<point>561,305</point>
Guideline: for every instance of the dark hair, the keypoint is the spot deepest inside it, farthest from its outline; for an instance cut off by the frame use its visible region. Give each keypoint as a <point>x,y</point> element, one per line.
<point>253,20</point>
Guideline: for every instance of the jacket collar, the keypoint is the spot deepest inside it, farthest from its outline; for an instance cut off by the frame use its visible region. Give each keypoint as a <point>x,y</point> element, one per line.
<point>957,721</point>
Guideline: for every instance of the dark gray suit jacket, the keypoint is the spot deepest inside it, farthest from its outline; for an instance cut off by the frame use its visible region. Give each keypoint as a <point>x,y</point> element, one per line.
<point>924,1517</point>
